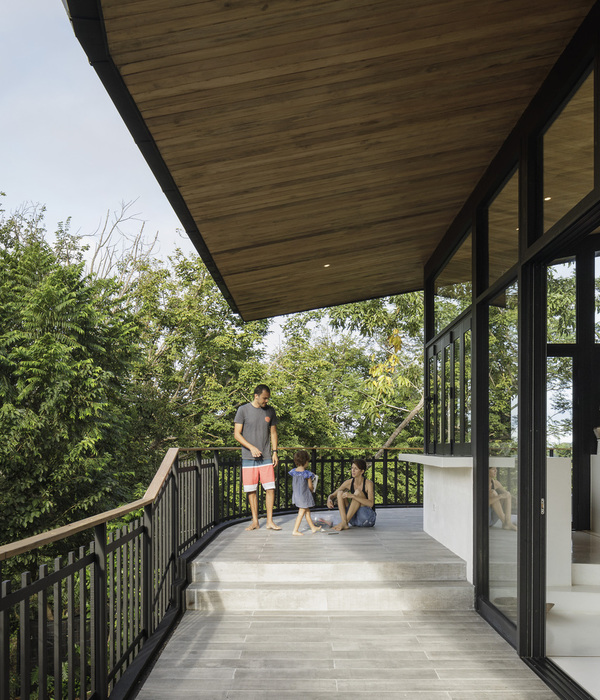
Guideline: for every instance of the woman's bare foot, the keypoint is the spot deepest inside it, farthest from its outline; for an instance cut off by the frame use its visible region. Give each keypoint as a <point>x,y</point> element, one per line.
<point>316,529</point>
<point>272,526</point>
<point>295,532</point>
<point>253,526</point>
<point>509,526</point>
<point>340,526</point>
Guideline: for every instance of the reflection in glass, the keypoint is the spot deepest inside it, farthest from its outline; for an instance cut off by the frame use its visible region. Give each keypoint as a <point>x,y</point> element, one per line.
<point>503,444</point>
<point>503,229</point>
<point>565,627</point>
<point>568,154</point>
<point>561,301</point>
<point>453,286</point>
<point>467,384</point>
<point>447,390</point>
<point>440,403</point>
<point>432,401</point>
<point>597,296</point>
<point>456,403</point>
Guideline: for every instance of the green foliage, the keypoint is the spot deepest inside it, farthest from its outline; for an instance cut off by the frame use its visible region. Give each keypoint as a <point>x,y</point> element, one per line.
<point>65,349</point>
<point>383,377</point>
<point>503,372</point>
<point>317,390</point>
<point>198,358</point>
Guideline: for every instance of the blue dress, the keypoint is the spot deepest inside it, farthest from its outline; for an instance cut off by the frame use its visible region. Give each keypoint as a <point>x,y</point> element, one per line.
<point>302,496</point>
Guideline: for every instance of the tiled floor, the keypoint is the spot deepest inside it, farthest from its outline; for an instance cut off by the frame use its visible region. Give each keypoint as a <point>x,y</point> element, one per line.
<point>288,655</point>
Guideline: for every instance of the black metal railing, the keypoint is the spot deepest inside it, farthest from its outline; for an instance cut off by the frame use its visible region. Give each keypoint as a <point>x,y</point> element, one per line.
<point>89,622</point>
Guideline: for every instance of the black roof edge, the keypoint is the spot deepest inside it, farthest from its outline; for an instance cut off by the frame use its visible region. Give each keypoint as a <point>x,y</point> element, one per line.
<point>88,24</point>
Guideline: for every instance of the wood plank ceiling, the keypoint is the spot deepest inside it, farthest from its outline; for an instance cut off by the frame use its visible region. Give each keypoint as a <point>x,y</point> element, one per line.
<point>323,147</point>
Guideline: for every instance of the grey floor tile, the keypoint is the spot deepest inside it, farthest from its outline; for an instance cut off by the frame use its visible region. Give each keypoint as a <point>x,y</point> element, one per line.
<point>316,655</point>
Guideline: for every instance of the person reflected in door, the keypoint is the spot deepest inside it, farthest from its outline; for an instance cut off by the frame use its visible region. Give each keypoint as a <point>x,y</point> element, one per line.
<point>500,502</point>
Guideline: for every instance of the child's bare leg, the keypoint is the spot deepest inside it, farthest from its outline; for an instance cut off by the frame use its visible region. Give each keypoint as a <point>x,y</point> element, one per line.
<point>312,526</point>
<point>301,512</point>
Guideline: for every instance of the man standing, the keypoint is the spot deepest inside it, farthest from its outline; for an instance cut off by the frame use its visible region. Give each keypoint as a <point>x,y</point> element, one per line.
<point>256,431</point>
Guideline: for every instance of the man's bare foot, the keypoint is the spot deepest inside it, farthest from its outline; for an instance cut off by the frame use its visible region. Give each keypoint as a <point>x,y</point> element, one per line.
<point>340,526</point>
<point>295,532</point>
<point>316,529</point>
<point>272,526</point>
<point>509,526</point>
<point>253,526</point>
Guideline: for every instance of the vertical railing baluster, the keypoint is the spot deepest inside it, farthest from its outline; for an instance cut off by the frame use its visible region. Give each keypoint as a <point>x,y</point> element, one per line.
<point>175,524</point>
<point>57,633</point>
<point>130,592</point>
<point>147,569</point>
<point>25,638</point>
<point>71,628</point>
<point>43,636</point>
<point>82,628</point>
<point>137,585</point>
<point>111,605</point>
<point>118,601</point>
<point>100,633</point>
<point>216,497</point>
<point>385,477</point>
<point>396,479</point>
<point>93,619</point>
<point>5,646</point>
<point>118,614</point>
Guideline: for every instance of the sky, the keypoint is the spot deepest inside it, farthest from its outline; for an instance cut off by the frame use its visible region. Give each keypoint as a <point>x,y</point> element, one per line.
<point>62,143</point>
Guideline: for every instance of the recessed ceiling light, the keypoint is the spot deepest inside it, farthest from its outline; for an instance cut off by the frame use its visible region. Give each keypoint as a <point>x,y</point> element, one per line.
<point>547,199</point>
<point>327,265</point>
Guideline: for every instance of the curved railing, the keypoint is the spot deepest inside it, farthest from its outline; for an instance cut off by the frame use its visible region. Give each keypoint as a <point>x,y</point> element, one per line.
<point>86,624</point>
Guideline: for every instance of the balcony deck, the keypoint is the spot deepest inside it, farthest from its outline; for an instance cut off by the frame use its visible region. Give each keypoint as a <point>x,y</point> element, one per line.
<point>278,650</point>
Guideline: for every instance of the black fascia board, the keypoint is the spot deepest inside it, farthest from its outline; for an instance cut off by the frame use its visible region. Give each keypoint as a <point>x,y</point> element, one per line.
<point>88,25</point>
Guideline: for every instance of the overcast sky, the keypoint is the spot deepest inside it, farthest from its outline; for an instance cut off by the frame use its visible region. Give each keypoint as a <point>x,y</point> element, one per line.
<point>63,144</point>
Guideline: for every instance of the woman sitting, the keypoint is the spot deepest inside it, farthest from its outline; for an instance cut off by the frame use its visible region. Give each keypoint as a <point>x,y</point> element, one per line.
<point>500,503</point>
<point>355,499</point>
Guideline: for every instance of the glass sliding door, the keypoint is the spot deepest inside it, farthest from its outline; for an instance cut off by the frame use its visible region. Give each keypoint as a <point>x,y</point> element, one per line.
<point>572,621</point>
<point>503,448</point>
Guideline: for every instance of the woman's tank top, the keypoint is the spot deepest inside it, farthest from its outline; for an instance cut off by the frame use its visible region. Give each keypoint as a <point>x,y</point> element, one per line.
<point>364,491</point>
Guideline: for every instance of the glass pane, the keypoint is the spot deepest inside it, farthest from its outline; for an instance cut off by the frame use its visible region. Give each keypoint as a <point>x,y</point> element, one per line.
<point>447,394</point>
<point>503,229</point>
<point>452,293</point>
<point>432,402</point>
<point>503,444</point>
<point>440,399</point>
<point>456,398</point>
<point>467,412</point>
<point>566,627</point>
<point>597,296</point>
<point>561,301</point>
<point>568,153</point>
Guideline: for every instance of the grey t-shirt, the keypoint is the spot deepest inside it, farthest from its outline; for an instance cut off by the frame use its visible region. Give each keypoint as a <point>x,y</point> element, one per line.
<point>256,428</point>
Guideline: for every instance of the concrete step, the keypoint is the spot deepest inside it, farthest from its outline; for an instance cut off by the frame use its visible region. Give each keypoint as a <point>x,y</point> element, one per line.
<point>585,574</point>
<point>581,598</point>
<point>330,595</point>
<point>202,570</point>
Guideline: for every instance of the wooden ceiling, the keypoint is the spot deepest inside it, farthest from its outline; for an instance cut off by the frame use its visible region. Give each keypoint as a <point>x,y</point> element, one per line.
<point>322,148</point>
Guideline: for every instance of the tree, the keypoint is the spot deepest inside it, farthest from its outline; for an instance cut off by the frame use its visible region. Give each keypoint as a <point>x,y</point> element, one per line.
<point>388,333</point>
<point>65,353</point>
<point>316,384</point>
<point>198,362</point>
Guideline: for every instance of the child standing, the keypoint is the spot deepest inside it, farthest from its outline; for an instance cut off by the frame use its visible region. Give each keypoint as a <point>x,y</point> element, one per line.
<point>302,491</point>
